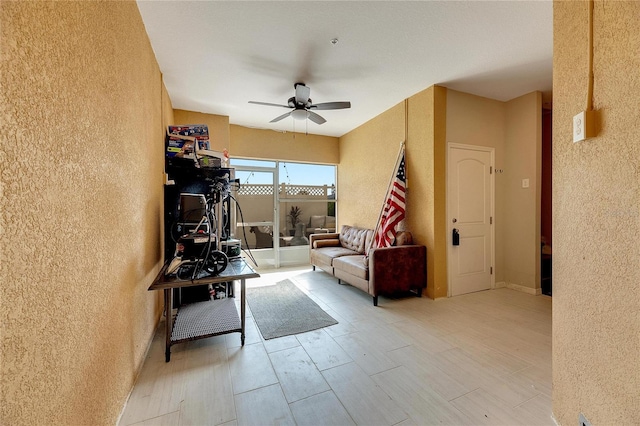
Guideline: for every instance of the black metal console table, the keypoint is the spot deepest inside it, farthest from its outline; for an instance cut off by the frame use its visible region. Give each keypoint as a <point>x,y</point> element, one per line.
<point>204,319</point>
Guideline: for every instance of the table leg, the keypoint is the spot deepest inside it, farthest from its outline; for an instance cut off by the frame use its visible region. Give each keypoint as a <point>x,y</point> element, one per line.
<point>168,301</point>
<point>242,309</point>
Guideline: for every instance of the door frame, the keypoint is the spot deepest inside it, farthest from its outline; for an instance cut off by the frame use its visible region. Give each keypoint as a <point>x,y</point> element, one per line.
<point>274,252</point>
<point>449,227</point>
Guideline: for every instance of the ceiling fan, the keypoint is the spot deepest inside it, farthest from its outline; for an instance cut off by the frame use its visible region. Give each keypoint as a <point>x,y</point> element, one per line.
<point>302,106</point>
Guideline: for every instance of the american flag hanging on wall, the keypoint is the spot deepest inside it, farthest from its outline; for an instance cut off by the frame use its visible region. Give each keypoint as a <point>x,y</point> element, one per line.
<point>394,207</point>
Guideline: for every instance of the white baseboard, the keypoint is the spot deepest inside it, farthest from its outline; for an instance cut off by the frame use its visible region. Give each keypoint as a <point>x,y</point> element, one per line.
<point>500,284</point>
<point>528,290</point>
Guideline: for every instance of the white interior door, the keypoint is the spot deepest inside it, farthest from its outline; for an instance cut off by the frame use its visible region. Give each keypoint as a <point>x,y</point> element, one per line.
<point>470,210</point>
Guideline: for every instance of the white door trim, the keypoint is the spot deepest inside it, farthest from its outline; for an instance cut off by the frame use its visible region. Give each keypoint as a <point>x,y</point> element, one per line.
<point>492,151</point>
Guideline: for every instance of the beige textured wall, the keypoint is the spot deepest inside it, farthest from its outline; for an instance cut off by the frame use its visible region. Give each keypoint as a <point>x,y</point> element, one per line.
<point>81,158</point>
<point>523,160</point>
<point>473,120</point>
<point>513,129</point>
<point>596,217</point>
<point>268,144</point>
<point>218,126</point>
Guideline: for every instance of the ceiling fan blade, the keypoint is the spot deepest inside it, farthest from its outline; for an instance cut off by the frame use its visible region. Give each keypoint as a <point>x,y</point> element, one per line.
<point>281,117</point>
<point>302,93</point>
<point>269,104</point>
<point>331,105</point>
<point>316,118</point>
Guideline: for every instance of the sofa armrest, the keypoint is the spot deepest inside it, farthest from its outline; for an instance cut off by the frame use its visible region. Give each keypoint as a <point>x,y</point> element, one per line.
<point>325,236</point>
<point>397,268</point>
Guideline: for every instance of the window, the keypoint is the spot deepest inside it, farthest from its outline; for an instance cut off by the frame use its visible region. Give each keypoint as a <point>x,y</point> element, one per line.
<point>287,200</point>
<point>307,196</point>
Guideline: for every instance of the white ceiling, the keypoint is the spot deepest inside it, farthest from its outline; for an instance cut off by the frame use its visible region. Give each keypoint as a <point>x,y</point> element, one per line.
<point>216,56</point>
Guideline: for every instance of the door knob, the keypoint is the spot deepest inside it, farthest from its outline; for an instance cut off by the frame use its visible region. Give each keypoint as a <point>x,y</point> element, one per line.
<point>454,220</point>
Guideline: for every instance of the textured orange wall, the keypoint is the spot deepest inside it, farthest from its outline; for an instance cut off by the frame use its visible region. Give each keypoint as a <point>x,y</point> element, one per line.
<point>426,195</point>
<point>420,176</point>
<point>81,158</point>
<point>596,217</point>
<point>440,285</point>
<point>268,144</point>
<point>218,126</point>
<point>367,157</point>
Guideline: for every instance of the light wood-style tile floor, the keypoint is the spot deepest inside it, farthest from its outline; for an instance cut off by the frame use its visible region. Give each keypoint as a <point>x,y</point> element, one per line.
<point>478,359</point>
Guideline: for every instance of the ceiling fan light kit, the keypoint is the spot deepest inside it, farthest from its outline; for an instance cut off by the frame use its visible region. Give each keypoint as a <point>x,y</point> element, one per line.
<point>301,106</point>
<point>299,114</point>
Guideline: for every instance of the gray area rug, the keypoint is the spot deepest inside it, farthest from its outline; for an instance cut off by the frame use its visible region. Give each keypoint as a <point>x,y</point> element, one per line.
<point>283,309</point>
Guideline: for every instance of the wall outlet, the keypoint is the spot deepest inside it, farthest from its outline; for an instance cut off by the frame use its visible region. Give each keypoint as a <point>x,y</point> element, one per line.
<point>525,183</point>
<point>583,126</point>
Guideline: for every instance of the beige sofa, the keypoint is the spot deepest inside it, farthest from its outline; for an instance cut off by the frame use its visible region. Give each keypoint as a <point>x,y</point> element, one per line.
<point>390,270</point>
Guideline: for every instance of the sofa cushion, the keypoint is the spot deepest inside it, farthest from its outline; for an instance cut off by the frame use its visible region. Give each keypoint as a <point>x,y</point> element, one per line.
<point>355,238</point>
<point>353,265</point>
<point>327,254</point>
<point>326,243</point>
